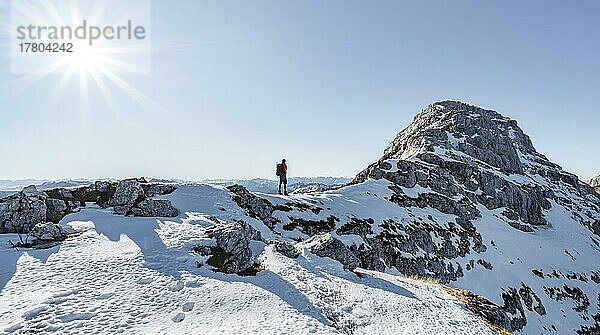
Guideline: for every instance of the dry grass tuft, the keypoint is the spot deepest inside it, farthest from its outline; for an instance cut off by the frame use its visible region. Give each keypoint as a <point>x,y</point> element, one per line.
<point>472,301</point>
<point>429,280</point>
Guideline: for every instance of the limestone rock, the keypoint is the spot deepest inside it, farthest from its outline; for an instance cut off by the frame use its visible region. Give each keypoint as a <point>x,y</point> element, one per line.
<point>50,232</point>
<point>152,189</point>
<point>327,246</point>
<point>257,207</point>
<point>287,249</point>
<point>20,212</point>
<point>595,183</point>
<point>152,208</point>
<point>128,193</point>
<point>232,253</point>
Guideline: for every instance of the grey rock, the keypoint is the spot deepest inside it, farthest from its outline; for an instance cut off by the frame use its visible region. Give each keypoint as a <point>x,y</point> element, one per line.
<point>257,207</point>
<point>20,212</point>
<point>152,189</point>
<point>128,193</point>
<point>121,210</point>
<point>31,190</point>
<point>328,246</point>
<point>510,316</point>
<point>152,208</point>
<point>232,253</point>
<point>102,186</point>
<point>50,232</point>
<point>56,209</point>
<point>287,249</point>
<point>594,182</point>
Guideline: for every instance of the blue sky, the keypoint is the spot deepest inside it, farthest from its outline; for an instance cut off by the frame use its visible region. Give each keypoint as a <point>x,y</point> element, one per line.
<point>325,84</point>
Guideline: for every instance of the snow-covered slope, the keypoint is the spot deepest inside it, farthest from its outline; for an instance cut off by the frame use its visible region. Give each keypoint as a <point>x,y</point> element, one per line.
<point>140,276</point>
<point>463,196</point>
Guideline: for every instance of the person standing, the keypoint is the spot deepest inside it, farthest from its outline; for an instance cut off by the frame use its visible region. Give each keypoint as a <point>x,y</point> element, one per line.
<point>282,173</point>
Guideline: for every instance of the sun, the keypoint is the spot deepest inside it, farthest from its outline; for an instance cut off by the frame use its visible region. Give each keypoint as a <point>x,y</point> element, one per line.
<point>85,59</point>
<point>101,65</point>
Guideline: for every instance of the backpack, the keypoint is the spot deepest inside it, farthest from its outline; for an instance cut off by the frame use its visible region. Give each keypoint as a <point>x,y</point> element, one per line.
<point>279,170</point>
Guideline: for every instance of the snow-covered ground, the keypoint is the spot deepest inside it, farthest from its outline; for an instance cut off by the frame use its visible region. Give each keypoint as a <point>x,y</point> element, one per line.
<point>139,276</point>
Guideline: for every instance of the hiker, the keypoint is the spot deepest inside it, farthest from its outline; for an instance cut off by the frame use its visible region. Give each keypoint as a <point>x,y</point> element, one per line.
<point>282,173</point>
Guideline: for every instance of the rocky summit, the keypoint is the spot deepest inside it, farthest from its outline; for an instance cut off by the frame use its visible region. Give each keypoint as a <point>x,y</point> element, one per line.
<point>462,195</point>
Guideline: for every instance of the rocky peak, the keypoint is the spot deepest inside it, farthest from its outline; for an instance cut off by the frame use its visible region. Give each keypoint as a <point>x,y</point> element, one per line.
<point>466,133</point>
<point>595,183</point>
<point>459,150</point>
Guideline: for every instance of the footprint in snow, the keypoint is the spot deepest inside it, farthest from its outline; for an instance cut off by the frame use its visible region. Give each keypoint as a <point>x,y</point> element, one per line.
<point>34,312</point>
<point>193,283</point>
<point>188,306</point>
<point>179,317</point>
<point>145,281</point>
<point>65,293</point>
<point>105,296</point>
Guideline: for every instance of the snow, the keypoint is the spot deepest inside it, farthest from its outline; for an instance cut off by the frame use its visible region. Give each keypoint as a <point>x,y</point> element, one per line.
<point>516,253</point>
<point>138,276</point>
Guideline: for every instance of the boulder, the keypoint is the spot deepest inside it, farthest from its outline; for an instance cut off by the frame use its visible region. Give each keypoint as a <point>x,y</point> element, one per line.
<point>257,207</point>
<point>232,253</point>
<point>287,249</point>
<point>328,246</point>
<point>151,208</point>
<point>128,193</point>
<point>50,232</point>
<point>152,189</point>
<point>20,212</point>
<point>57,209</point>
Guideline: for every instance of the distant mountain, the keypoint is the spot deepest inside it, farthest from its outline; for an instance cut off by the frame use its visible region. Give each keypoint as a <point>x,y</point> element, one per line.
<point>6,193</point>
<point>7,184</point>
<point>8,187</point>
<point>295,184</point>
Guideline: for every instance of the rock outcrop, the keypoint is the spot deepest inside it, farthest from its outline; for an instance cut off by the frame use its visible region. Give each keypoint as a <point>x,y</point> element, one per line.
<point>327,246</point>
<point>130,198</point>
<point>287,249</point>
<point>20,212</point>
<point>154,208</point>
<point>50,232</point>
<point>257,207</point>
<point>127,194</point>
<point>232,252</point>
<point>595,183</point>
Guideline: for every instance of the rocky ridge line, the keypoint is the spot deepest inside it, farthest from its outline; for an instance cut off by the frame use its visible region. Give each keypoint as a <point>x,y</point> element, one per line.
<point>39,212</point>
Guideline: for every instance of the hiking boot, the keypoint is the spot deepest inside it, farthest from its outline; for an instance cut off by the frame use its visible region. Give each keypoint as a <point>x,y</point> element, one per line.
<point>284,193</point>
<point>279,192</point>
